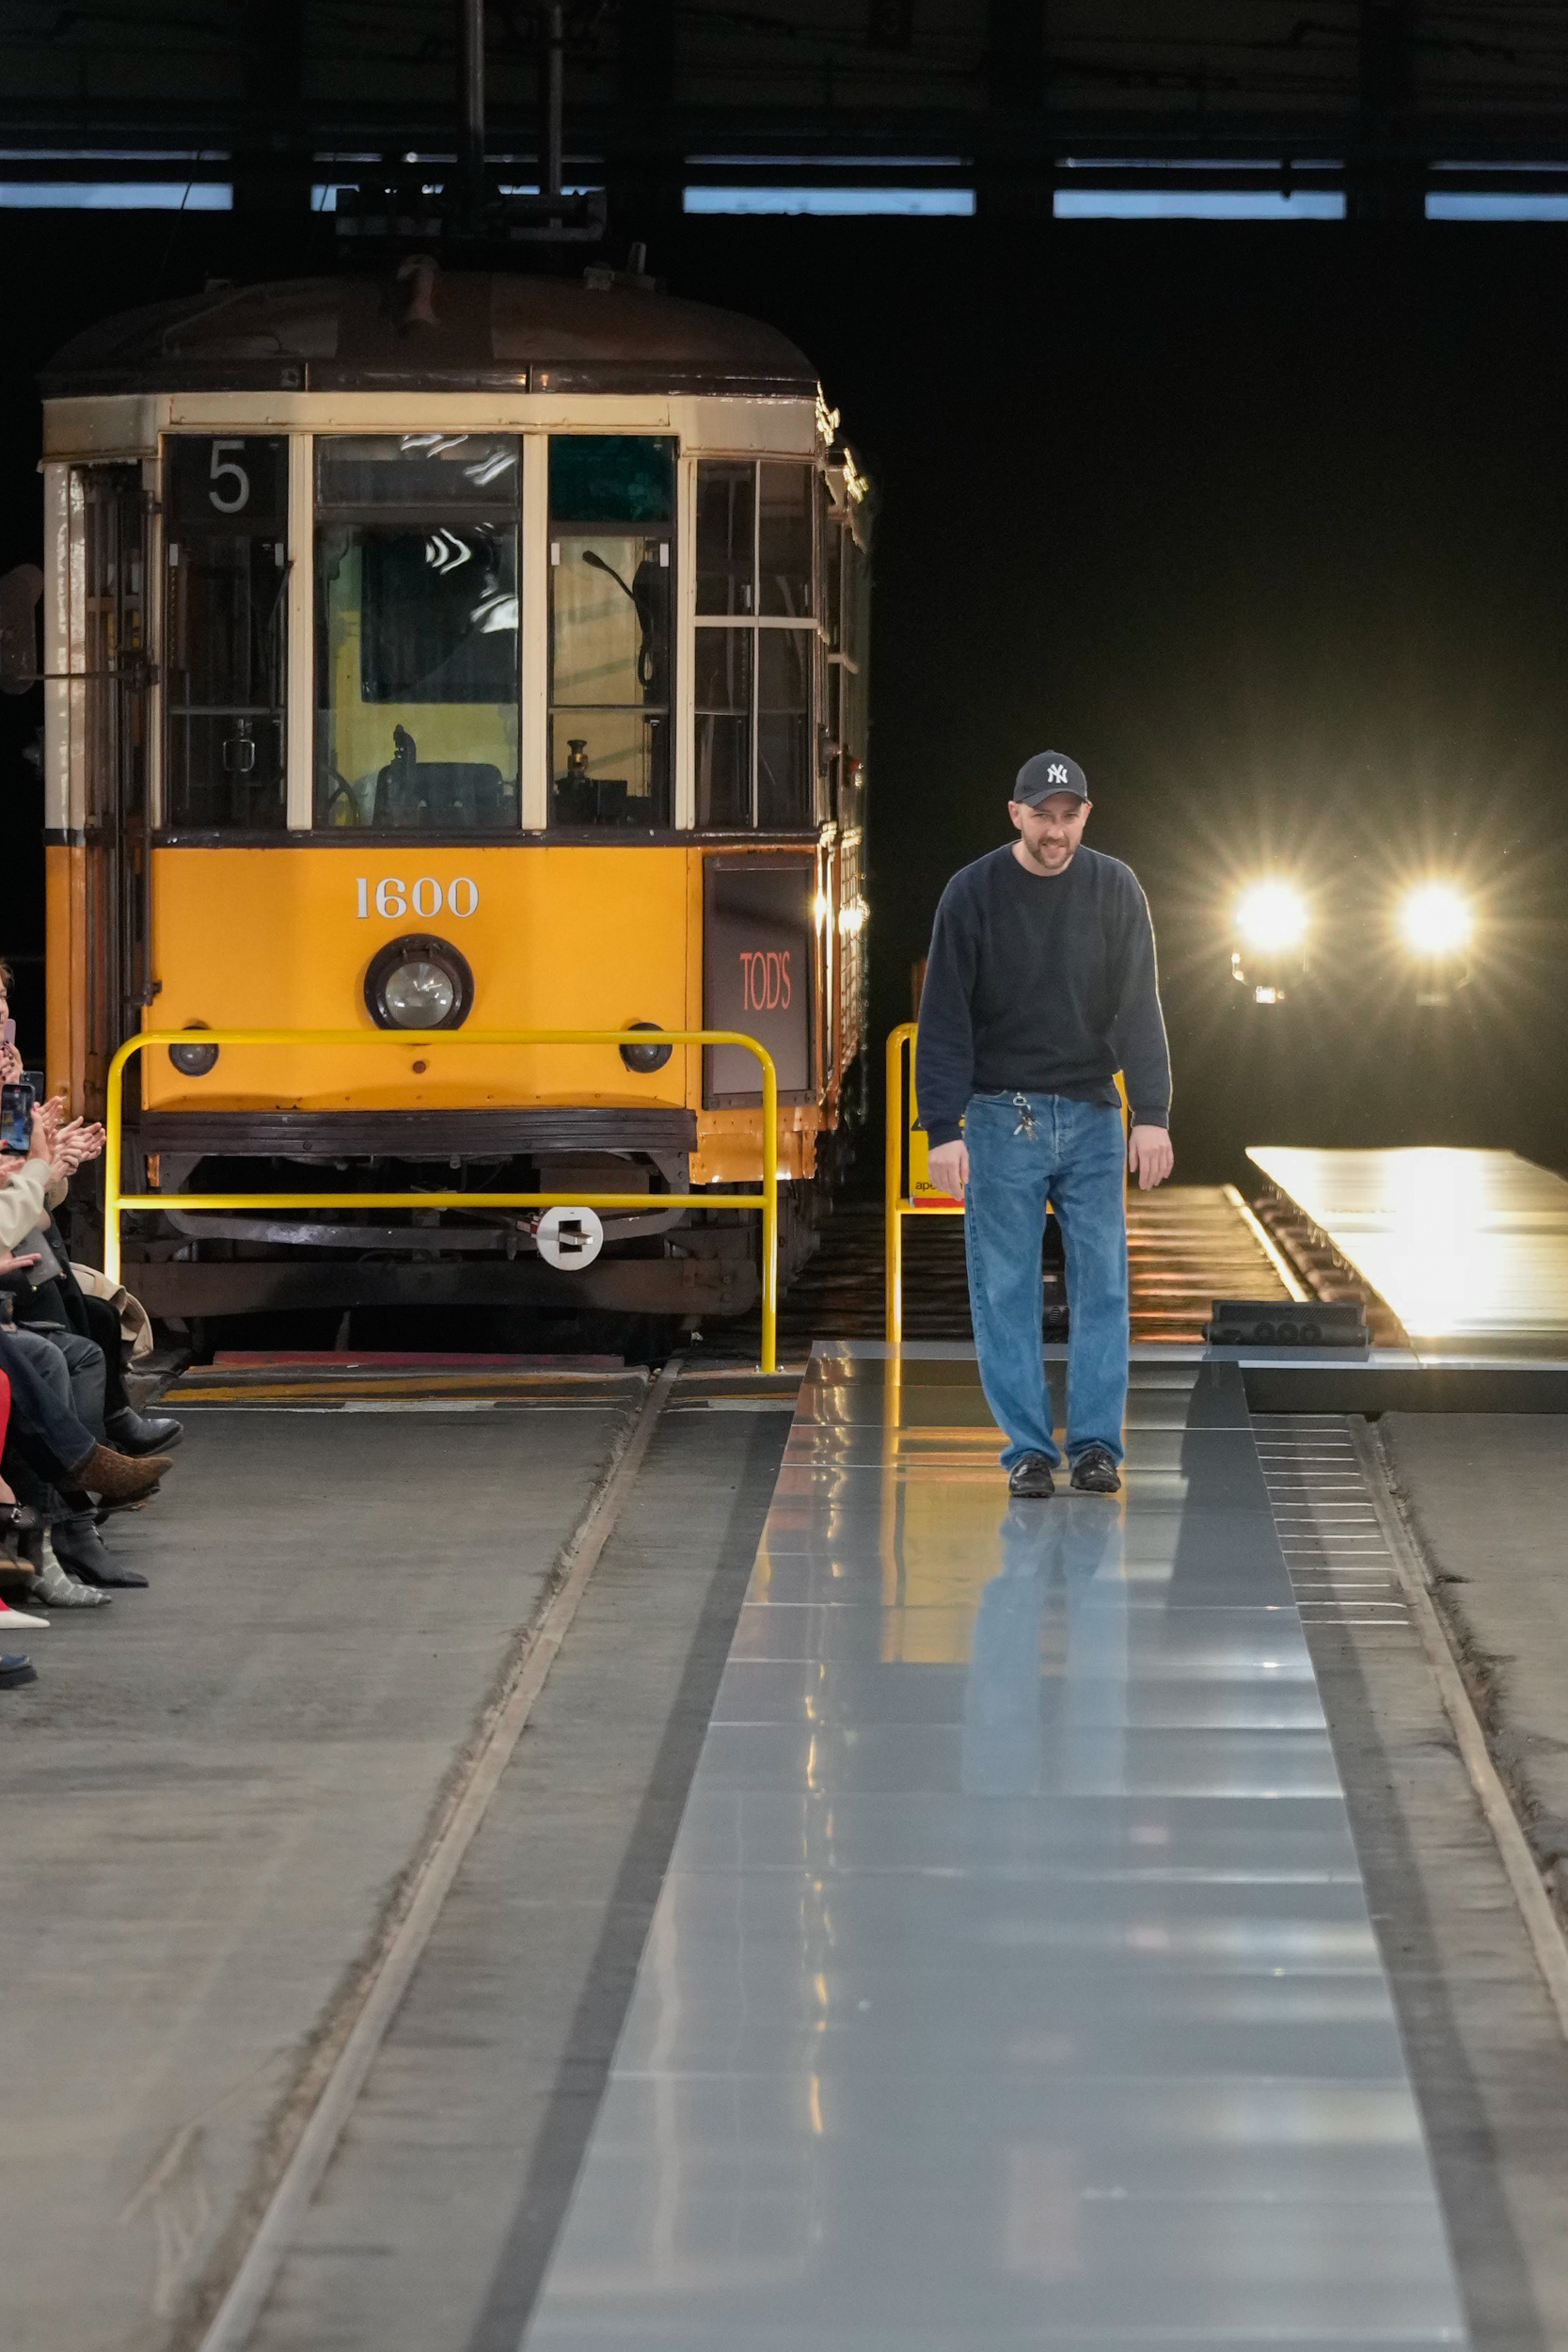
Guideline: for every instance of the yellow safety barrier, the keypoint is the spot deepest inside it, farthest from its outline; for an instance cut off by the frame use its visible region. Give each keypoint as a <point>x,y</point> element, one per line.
<point>115,1201</point>
<point>922,1198</point>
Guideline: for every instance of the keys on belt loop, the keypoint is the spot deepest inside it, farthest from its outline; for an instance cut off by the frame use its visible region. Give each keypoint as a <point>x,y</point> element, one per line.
<point>1026,1116</point>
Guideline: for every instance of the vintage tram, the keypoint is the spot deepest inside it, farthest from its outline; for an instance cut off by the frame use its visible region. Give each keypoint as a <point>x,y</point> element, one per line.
<point>454,649</point>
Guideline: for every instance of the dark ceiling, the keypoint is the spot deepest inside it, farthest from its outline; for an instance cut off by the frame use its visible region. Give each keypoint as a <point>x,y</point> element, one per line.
<point>1008,94</point>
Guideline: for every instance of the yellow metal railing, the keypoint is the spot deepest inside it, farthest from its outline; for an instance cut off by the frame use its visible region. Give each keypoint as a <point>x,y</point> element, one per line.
<point>898,1204</point>
<point>116,1201</point>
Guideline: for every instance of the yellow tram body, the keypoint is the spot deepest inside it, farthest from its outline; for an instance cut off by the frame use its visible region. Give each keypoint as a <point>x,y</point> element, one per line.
<point>511,650</point>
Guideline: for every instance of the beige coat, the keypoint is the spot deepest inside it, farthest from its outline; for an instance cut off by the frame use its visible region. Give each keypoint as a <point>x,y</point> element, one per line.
<point>24,1203</point>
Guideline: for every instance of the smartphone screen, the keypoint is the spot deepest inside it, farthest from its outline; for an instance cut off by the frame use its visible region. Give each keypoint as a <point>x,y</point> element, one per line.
<point>16,1117</point>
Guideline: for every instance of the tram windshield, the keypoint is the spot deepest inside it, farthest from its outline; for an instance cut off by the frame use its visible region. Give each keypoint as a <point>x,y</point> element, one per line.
<point>416,632</point>
<point>612,505</point>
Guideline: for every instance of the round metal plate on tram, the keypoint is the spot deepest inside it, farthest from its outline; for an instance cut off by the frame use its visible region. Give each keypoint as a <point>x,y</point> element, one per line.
<point>194,1061</point>
<point>418,982</point>
<point>569,1238</point>
<point>644,1057</point>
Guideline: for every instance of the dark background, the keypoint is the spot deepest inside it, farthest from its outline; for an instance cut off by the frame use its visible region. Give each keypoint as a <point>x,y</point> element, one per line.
<point>1267,524</point>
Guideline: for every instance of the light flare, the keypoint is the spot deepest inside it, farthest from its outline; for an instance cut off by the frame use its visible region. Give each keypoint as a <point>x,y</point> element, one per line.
<point>1435,920</point>
<point>1270,916</point>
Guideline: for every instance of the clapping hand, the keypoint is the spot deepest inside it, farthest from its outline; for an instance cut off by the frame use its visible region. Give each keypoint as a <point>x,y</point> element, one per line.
<point>79,1143</point>
<point>64,1145</point>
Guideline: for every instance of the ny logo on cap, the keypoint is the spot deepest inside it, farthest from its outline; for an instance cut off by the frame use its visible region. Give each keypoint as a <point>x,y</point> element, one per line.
<point>1056,773</point>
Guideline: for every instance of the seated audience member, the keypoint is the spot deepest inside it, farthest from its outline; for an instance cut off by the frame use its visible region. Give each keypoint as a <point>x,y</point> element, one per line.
<point>47,1296</point>
<point>15,1520</point>
<point>15,1666</point>
<point>57,1383</point>
<point>43,1431</point>
<point>53,1298</point>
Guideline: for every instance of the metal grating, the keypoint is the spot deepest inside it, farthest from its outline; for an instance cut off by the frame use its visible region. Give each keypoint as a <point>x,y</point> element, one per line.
<point>1335,1550</point>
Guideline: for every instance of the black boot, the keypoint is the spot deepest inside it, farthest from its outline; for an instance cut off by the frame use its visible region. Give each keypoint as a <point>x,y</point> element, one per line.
<point>130,1432</point>
<point>83,1553</point>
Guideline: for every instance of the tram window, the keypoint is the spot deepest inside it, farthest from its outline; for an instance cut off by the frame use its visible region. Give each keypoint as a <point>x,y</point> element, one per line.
<point>783,728</point>
<point>784,540</point>
<point>226,532</point>
<point>416,632</point>
<point>756,644</point>
<point>611,478</point>
<point>845,589</point>
<point>612,540</point>
<point>833,536</point>
<point>726,538</point>
<point>723,744</point>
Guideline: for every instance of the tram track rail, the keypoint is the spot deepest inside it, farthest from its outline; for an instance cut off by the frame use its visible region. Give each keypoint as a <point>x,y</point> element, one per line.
<point>308,2134</point>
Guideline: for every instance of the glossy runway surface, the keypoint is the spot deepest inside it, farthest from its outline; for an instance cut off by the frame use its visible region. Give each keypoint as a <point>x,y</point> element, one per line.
<point>1469,1249</point>
<point>1012,1982</point>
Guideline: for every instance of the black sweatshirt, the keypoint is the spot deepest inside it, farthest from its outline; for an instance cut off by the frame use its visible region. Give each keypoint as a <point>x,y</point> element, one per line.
<point>1041,984</point>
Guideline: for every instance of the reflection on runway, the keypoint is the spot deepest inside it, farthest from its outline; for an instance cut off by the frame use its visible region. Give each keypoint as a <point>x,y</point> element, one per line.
<point>1012,1982</point>
<point>1024,1691</point>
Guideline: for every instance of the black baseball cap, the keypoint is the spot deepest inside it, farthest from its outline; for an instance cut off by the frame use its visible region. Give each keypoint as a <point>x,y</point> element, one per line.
<point>1048,773</point>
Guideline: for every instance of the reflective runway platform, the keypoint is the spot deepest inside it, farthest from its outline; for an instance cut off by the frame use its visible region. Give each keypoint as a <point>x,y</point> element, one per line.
<point>1012,1983</point>
<point>1468,1247</point>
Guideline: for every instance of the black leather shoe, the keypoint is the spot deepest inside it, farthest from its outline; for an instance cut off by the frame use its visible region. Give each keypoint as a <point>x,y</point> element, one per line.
<point>1095,1473</point>
<point>83,1553</point>
<point>130,1432</point>
<point>1030,1481</point>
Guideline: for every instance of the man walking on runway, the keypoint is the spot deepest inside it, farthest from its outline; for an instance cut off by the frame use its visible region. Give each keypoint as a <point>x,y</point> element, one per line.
<point>1040,986</point>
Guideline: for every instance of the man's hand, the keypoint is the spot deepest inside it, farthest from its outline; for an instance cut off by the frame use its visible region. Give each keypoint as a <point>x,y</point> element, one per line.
<point>1149,1156</point>
<point>948,1167</point>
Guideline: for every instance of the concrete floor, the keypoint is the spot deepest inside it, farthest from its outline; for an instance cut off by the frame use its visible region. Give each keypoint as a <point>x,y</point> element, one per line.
<point>211,1796</point>
<point>214,1788</point>
<point>1487,1497</point>
<point>1486,2053</point>
<point>432,2226</point>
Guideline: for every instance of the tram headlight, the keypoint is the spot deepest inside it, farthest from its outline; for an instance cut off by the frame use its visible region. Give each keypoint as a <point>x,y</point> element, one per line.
<point>194,1061</point>
<point>1271,917</point>
<point>644,1057</point>
<point>1435,920</point>
<point>418,982</point>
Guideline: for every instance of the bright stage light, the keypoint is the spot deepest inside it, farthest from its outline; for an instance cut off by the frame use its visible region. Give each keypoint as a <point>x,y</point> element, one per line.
<point>1435,920</point>
<point>1271,916</point>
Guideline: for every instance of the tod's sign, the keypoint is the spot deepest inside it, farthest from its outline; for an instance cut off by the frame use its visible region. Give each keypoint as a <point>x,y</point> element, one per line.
<point>756,972</point>
<point>765,982</point>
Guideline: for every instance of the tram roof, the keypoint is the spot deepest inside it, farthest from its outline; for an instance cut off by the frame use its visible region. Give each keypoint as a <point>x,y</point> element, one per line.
<point>453,330</point>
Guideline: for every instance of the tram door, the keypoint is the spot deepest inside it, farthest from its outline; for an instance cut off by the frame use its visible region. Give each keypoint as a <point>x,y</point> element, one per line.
<point>113,515</point>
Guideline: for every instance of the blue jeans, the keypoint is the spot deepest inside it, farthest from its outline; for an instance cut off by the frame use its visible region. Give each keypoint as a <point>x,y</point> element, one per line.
<point>1075,1159</point>
<point>43,1402</point>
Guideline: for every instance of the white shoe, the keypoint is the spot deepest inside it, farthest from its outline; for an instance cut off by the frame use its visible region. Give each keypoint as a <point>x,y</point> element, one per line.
<point>9,1616</point>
